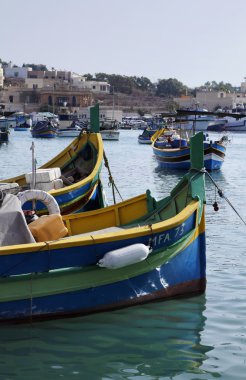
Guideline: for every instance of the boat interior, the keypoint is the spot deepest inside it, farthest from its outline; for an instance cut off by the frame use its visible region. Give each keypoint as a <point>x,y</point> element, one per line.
<point>70,169</point>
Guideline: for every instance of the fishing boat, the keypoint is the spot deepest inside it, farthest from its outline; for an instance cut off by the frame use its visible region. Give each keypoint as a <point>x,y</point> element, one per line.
<point>44,129</point>
<point>73,130</point>
<point>109,129</point>
<point>200,117</point>
<point>136,251</point>
<point>233,125</point>
<point>145,137</point>
<point>22,127</point>
<point>72,177</point>
<point>110,134</point>
<point>172,151</point>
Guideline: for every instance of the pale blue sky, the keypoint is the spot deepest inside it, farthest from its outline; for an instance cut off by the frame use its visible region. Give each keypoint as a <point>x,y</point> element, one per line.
<point>193,41</point>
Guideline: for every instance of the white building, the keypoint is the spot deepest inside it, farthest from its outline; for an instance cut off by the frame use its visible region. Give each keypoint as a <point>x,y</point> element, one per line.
<point>102,87</point>
<point>94,86</point>
<point>16,72</point>
<point>83,114</point>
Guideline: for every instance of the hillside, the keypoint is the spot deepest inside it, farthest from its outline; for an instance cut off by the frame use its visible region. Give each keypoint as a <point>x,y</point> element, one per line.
<point>137,101</point>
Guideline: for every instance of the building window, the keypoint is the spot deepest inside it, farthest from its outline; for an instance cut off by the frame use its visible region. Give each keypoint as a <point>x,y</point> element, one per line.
<point>34,86</point>
<point>11,99</point>
<point>50,101</point>
<point>74,101</point>
<point>16,74</point>
<point>102,88</point>
<point>93,87</point>
<point>62,100</point>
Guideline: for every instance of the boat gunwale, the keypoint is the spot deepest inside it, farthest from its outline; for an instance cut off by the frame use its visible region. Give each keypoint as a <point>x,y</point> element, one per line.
<point>92,176</point>
<point>90,239</point>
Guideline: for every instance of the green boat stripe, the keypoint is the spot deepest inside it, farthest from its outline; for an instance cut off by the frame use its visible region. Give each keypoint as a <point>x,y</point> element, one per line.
<point>71,280</point>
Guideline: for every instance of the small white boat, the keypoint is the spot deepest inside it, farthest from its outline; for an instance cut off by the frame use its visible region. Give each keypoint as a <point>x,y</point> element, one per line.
<point>233,125</point>
<point>201,123</point>
<point>110,134</point>
<point>72,131</point>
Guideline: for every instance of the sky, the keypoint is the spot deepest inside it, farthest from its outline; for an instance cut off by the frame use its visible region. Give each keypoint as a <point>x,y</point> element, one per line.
<point>194,41</point>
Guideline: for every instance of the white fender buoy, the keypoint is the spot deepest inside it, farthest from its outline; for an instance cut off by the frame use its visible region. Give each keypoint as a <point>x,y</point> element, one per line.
<point>41,196</point>
<point>123,257</point>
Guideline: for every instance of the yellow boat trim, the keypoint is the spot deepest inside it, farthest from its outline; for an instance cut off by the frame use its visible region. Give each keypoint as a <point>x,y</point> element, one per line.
<point>67,155</point>
<point>90,239</point>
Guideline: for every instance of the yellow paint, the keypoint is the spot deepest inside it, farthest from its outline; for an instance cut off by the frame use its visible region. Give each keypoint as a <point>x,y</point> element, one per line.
<point>104,218</point>
<point>66,155</point>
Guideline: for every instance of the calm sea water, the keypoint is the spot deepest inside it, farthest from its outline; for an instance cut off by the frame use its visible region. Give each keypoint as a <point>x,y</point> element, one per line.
<point>202,337</point>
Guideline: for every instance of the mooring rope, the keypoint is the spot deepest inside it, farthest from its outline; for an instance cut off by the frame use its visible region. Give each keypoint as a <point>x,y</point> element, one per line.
<point>220,192</point>
<point>111,180</point>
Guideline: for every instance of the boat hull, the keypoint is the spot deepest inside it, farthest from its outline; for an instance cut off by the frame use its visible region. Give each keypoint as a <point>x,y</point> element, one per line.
<point>110,135</point>
<point>73,198</point>
<point>68,133</point>
<point>182,275</point>
<point>202,125</point>
<point>214,154</point>
<point>144,141</point>
<point>45,135</point>
<point>20,129</point>
<point>69,273</point>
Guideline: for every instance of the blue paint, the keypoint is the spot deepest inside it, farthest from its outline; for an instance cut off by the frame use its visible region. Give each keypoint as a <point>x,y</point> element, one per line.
<point>188,265</point>
<point>42,261</point>
<point>212,161</point>
<point>64,198</point>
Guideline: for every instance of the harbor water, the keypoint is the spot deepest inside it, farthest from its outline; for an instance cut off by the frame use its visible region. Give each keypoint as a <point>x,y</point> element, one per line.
<point>202,337</point>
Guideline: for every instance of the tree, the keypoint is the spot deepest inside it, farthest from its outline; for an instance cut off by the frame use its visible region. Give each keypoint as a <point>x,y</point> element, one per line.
<point>88,76</point>
<point>214,86</point>
<point>120,83</point>
<point>101,77</point>
<point>34,66</point>
<point>143,83</point>
<point>167,87</point>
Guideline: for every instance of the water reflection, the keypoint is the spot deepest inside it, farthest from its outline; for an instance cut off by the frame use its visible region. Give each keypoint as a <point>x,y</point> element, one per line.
<point>152,341</point>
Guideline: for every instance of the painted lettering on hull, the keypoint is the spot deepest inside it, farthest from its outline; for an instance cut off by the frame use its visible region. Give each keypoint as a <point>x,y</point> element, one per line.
<point>171,236</point>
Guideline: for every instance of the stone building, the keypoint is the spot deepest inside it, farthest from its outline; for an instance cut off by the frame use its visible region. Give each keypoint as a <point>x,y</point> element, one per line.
<point>62,96</point>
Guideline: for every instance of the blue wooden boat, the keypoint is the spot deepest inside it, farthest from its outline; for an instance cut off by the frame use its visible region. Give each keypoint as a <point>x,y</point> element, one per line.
<point>173,152</point>
<point>136,251</point>
<point>145,137</point>
<point>44,129</point>
<point>80,166</point>
<point>21,127</point>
